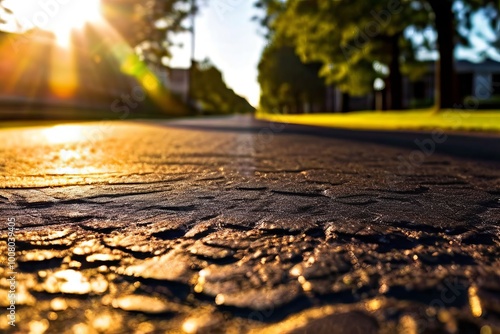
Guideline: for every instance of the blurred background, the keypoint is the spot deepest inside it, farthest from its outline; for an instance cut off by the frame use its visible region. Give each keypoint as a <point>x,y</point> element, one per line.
<point>109,58</point>
<point>128,58</point>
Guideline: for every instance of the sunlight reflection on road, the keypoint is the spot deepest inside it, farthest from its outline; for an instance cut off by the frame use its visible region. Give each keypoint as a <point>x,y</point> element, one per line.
<point>114,153</point>
<point>63,134</point>
<point>62,154</point>
<point>68,155</point>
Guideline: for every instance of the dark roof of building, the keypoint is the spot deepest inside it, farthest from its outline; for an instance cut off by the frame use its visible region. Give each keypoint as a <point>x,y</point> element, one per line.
<point>488,65</point>
<point>465,66</point>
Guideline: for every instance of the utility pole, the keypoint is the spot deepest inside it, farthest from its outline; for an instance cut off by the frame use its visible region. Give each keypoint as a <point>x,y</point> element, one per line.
<point>193,26</point>
<point>191,102</point>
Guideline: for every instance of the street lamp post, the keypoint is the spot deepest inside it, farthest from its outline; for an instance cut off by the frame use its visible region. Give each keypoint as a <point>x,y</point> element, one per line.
<point>191,101</point>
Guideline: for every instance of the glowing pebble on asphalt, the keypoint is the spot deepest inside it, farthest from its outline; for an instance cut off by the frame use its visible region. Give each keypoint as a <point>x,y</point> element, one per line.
<point>23,296</point>
<point>98,257</point>
<point>99,284</point>
<point>190,326</point>
<point>168,267</point>
<point>296,270</point>
<point>39,255</point>
<point>38,327</point>
<point>144,304</point>
<point>106,322</point>
<point>474,302</point>
<point>408,325</point>
<point>220,299</point>
<point>486,330</point>
<point>58,304</point>
<point>145,327</point>
<point>374,304</point>
<point>204,323</point>
<point>80,329</point>
<point>67,281</point>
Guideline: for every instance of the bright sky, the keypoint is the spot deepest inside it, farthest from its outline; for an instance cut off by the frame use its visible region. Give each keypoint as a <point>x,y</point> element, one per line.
<point>57,16</point>
<point>226,35</point>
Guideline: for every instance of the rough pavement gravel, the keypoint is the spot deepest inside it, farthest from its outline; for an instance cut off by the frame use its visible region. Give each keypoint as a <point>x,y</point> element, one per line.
<point>232,225</point>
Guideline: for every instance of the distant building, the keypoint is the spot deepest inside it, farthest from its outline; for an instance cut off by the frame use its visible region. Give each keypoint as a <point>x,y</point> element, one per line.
<point>478,80</point>
<point>176,80</point>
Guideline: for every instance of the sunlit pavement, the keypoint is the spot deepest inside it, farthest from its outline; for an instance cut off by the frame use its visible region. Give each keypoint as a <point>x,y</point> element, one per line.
<point>231,225</point>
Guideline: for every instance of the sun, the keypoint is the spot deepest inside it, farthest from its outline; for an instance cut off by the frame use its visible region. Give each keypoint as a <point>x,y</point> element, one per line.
<point>58,16</point>
<point>75,15</point>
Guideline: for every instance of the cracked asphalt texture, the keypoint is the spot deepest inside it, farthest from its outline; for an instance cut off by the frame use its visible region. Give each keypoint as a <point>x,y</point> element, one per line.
<point>231,225</point>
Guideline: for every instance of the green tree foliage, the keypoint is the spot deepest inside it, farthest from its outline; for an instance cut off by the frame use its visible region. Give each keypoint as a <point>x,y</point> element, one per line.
<point>4,11</point>
<point>147,25</point>
<point>287,84</point>
<point>349,37</point>
<point>359,41</point>
<point>273,9</point>
<point>212,94</point>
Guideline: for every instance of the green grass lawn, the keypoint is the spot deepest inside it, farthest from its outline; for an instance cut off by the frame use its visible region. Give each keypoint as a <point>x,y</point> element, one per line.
<point>459,120</point>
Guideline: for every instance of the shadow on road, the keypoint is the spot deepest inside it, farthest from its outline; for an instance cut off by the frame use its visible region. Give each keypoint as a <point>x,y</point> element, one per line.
<point>484,146</point>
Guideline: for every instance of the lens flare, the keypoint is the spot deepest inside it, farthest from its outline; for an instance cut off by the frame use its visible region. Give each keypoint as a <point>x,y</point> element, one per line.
<point>59,17</point>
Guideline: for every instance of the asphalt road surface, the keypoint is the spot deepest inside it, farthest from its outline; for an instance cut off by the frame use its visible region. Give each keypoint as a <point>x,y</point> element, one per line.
<point>230,225</point>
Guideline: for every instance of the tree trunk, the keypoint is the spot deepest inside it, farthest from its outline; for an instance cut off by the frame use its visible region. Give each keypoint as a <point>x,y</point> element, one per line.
<point>345,102</point>
<point>298,105</point>
<point>445,26</point>
<point>386,95</point>
<point>395,91</point>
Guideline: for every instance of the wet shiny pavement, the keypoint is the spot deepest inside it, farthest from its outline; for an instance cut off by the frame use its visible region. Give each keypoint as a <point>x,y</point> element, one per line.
<point>231,225</point>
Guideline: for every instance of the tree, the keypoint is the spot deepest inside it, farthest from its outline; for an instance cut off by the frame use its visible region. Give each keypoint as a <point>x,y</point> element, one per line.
<point>4,11</point>
<point>272,10</point>
<point>447,79</point>
<point>287,84</point>
<point>445,24</point>
<point>212,94</point>
<point>147,25</point>
<point>350,37</point>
